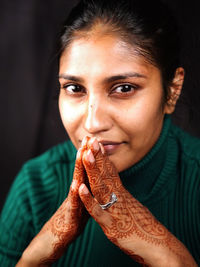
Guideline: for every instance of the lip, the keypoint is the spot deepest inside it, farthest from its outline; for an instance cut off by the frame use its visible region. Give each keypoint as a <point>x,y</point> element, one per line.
<point>110,146</point>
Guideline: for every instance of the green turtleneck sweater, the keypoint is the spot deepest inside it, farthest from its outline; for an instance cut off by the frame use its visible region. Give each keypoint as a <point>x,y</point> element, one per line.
<point>166,180</point>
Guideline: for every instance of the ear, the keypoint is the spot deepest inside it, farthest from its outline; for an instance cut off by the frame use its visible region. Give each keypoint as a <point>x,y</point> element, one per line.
<point>174,91</point>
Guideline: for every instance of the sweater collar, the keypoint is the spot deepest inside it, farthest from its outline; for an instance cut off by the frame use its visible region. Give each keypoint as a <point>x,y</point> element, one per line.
<point>141,178</point>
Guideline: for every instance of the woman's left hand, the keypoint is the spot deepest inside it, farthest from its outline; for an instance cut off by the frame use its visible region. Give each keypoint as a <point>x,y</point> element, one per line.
<point>127,223</point>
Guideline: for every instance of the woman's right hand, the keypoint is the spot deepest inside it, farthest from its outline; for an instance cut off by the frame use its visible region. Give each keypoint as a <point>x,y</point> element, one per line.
<point>62,228</point>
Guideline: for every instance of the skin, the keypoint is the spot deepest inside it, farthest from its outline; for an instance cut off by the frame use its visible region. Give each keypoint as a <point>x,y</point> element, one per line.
<point>94,113</point>
<point>100,108</point>
<point>128,224</point>
<point>62,228</point>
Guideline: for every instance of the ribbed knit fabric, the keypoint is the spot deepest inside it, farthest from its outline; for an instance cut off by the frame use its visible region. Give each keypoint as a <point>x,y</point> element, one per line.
<point>166,180</point>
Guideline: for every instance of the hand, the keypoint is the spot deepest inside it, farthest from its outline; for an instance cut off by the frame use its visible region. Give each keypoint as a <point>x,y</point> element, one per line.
<point>127,223</point>
<point>117,222</point>
<point>63,227</point>
<point>70,219</point>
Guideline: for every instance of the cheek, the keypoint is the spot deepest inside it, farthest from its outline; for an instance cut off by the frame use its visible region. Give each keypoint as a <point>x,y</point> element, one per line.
<point>141,116</point>
<point>70,117</point>
<point>147,111</point>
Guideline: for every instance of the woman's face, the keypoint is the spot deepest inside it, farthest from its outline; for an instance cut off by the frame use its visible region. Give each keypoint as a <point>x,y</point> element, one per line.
<point>109,92</point>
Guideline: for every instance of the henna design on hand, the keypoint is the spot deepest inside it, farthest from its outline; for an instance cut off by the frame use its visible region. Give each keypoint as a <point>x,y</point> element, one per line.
<point>101,175</point>
<point>70,219</point>
<point>127,219</point>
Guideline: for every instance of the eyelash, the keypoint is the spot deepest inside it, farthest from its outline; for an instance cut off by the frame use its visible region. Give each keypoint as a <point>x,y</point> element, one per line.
<point>113,91</point>
<point>65,87</point>
<point>125,86</point>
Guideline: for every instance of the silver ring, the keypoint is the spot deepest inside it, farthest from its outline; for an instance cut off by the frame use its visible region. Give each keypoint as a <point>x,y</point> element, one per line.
<point>113,199</point>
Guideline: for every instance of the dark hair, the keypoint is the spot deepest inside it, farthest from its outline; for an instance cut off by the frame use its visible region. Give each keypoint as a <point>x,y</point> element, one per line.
<point>148,25</point>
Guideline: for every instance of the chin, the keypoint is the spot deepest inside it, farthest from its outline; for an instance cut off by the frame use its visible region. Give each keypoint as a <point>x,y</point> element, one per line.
<point>118,165</point>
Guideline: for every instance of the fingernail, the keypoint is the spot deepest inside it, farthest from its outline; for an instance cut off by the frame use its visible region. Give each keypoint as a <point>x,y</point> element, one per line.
<point>90,156</point>
<point>95,144</point>
<point>84,141</point>
<point>78,154</point>
<point>102,148</point>
<point>83,189</point>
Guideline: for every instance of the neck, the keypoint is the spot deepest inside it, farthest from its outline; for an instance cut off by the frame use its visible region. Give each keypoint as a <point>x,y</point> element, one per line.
<point>141,177</point>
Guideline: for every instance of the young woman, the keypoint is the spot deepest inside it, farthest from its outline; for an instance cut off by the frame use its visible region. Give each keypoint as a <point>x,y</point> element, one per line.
<point>134,191</point>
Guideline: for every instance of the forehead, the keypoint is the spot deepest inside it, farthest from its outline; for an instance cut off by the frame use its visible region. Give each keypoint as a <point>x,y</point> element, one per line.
<point>102,53</point>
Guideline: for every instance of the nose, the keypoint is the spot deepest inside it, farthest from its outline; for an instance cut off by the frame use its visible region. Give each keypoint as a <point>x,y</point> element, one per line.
<point>97,118</point>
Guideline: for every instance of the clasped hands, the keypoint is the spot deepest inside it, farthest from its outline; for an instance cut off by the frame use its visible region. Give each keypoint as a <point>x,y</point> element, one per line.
<point>127,223</point>
<point>95,179</point>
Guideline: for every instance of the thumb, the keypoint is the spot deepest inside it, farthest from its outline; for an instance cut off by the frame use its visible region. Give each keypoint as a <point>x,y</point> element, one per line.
<point>79,171</point>
<point>90,203</point>
<point>79,177</point>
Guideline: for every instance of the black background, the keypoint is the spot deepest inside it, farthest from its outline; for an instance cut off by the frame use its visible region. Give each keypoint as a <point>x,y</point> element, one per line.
<point>30,122</point>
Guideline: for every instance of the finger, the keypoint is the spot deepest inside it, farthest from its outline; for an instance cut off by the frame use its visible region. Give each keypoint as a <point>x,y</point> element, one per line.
<point>79,170</point>
<point>102,174</point>
<point>85,142</point>
<point>79,177</point>
<point>107,169</point>
<point>91,204</point>
<point>93,144</point>
<point>99,188</point>
<point>102,149</point>
<point>97,149</point>
<point>103,162</point>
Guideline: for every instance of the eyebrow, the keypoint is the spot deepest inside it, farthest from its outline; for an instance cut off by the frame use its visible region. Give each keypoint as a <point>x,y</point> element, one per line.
<point>124,76</point>
<point>70,77</point>
<point>108,79</point>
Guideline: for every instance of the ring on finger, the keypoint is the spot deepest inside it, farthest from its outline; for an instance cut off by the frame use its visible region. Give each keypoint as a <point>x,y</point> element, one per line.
<point>113,199</point>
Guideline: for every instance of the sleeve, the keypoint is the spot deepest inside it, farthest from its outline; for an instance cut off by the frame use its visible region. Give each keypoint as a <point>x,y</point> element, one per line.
<point>37,192</point>
<point>16,228</point>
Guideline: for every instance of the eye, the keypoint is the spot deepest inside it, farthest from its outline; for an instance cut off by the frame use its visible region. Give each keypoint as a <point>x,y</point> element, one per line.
<point>73,88</point>
<point>124,89</point>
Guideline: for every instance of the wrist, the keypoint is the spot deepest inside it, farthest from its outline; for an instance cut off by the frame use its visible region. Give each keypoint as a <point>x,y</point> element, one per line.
<point>39,249</point>
<point>32,258</point>
<point>156,255</point>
